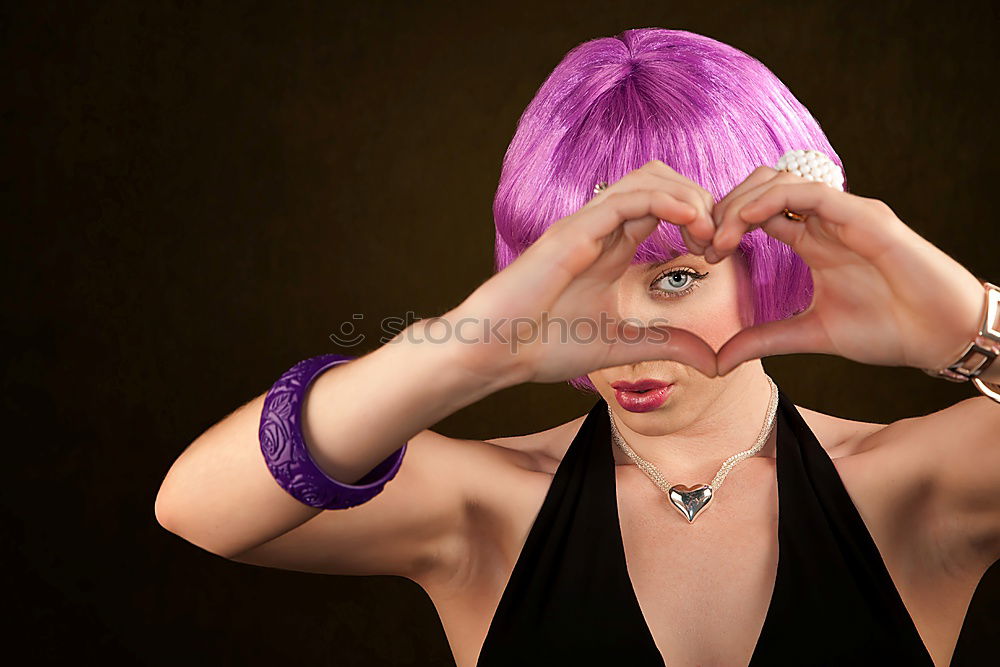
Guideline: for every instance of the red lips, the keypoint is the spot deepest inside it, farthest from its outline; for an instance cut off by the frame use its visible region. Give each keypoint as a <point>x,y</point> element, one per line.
<point>640,385</point>
<point>643,395</point>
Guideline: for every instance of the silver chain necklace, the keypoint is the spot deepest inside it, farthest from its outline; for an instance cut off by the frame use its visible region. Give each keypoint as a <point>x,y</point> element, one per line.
<point>691,500</point>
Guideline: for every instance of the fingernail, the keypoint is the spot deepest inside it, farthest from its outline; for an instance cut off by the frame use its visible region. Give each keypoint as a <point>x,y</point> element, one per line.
<point>710,256</point>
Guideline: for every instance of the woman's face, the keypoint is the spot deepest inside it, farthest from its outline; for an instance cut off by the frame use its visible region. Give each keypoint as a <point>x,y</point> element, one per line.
<point>711,300</point>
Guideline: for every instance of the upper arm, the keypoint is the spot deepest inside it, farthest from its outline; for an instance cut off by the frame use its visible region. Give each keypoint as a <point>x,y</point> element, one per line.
<point>962,450</point>
<point>951,458</point>
<point>414,528</point>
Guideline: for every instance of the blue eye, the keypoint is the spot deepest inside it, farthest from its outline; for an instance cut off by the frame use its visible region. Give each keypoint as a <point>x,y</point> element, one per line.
<point>677,282</point>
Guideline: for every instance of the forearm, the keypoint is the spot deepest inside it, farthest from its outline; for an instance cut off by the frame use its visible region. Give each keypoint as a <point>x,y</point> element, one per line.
<point>356,414</point>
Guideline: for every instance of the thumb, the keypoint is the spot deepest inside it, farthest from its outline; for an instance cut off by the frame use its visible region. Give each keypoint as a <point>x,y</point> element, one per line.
<point>800,333</point>
<point>634,344</point>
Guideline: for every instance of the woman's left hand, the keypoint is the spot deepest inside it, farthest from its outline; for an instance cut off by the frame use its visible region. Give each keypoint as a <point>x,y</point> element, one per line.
<point>883,294</point>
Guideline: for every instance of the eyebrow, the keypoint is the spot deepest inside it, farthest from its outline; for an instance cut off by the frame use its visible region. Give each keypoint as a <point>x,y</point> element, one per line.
<point>656,265</point>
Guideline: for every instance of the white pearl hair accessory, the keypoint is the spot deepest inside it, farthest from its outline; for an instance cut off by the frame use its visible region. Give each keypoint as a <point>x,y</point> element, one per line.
<point>813,165</point>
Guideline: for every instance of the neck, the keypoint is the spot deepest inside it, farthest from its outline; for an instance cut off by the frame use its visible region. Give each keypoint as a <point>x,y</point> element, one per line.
<point>692,452</point>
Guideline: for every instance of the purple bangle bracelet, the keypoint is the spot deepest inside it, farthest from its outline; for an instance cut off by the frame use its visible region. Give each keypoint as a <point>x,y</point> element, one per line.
<point>285,450</point>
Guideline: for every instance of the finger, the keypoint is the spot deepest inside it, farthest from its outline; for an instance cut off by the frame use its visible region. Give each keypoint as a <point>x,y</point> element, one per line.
<point>619,249</point>
<point>866,226</point>
<point>789,232</point>
<point>636,344</point>
<point>694,246</point>
<point>802,333</point>
<point>594,224</point>
<point>730,226</point>
<point>702,229</point>
<point>757,177</point>
<point>802,197</point>
<point>610,232</point>
<point>656,175</point>
<point>601,241</point>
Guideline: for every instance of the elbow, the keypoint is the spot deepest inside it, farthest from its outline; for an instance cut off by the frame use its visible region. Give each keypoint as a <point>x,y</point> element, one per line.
<point>162,513</point>
<point>167,516</point>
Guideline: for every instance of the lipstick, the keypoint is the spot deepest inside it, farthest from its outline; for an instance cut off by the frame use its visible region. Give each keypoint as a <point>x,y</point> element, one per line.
<point>643,395</point>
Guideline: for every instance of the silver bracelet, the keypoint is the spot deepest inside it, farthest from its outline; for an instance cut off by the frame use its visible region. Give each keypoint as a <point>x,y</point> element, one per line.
<point>981,352</point>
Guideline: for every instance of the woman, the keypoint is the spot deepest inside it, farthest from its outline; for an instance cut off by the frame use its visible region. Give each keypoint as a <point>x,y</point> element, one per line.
<point>565,545</point>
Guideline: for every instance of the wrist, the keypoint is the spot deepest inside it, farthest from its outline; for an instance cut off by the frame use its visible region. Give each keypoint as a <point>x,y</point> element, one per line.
<point>992,328</point>
<point>991,374</point>
<point>977,356</point>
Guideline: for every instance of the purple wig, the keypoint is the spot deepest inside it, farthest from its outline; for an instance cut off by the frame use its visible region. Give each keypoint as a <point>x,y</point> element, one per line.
<point>709,111</point>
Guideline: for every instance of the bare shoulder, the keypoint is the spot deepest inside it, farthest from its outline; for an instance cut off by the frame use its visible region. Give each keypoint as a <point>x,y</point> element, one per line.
<point>504,481</point>
<point>934,477</point>
<point>839,436</point>
<point>961,429</point>
<point>968,416</point>
<point>543,449</point>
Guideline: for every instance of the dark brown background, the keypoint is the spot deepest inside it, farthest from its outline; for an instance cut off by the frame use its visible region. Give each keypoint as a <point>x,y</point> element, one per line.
<point>197,195</point>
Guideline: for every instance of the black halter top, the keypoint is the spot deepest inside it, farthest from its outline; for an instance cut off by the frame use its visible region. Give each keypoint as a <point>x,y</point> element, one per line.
<point>569,599</point>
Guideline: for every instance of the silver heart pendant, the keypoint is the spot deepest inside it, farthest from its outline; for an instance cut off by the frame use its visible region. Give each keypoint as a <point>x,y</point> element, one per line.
<point>690,500</point>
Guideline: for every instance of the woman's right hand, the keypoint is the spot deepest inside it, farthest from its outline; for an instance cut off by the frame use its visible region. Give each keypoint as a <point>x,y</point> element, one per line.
<point>570,274</point>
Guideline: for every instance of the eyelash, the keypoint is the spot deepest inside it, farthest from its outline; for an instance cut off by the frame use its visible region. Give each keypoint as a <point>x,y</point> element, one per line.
<point>664,294</point>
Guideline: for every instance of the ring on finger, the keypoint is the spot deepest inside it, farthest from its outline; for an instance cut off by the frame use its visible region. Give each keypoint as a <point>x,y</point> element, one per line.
<point>812,165</point>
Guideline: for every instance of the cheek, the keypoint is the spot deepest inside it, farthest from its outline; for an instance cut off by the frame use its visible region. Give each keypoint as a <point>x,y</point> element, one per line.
<point>718,317</point>
<point>717,313</point>
<point>744,288</point>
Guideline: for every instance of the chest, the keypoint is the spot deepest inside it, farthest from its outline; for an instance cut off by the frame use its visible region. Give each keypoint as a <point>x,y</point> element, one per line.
<point>704,589</point>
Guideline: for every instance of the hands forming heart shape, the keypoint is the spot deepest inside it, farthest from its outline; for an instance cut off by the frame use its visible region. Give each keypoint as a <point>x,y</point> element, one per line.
<point>882,294</point>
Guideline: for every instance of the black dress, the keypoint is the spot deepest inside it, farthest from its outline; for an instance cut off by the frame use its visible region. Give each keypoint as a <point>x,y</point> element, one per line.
<point>569,599</point>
